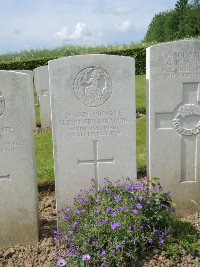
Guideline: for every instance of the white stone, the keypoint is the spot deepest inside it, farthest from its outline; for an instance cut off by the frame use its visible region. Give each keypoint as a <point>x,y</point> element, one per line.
<point>31,94</point>
<point>173,108</point>
<point>41,80</point>
<point>93,121</point>
<point>18,191</point>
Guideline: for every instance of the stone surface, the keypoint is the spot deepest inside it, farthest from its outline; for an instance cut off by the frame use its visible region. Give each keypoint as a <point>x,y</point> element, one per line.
<point>173,78</point>
<point>31,94</point>
<point>93,121</point>
<point>41,81</point>
<point>18,194</point>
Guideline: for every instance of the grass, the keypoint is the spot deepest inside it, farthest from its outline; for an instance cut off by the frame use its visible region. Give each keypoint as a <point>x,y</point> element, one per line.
<point>140,94</point>
<point>44,157</point>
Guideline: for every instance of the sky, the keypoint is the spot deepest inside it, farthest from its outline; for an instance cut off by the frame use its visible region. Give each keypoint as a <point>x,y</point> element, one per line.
<point>39,24</point>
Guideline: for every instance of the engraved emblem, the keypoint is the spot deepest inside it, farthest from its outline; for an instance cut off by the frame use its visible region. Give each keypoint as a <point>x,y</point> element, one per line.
<point>2,104</point>
<point>92,86</point>
<point>185,111</point>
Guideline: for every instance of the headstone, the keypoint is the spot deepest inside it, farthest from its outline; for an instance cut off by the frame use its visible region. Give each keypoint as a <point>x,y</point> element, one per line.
<point>18,194</point>
<point>41,80</point>
<point>31,94</point>
<point>93,121</point>
<point>173,92</point>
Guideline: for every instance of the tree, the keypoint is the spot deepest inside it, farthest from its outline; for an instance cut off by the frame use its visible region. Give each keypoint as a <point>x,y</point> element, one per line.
<point>181,5</point>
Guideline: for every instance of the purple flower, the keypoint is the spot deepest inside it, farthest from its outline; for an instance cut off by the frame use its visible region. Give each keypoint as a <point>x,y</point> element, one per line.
<point>113,252</point>
<point>117,246</point>
<point>104,265</point>
<point>115,226</point>
<point>105,220</point>
<point>138,206</point>
<point>70,233</point>
<point>136,212</point>
<point>117,199</point>
<point>86,257</point>
<point>67,217</point>
<point>108,210</point>
<point>150,241</point>
<point>161,241</point>
<point>97,200</point>
<point>110,191</point>
<point>100,190</point>
<point>148,201</point>
<point>121,209</point>
<point>68,209</point>
<point>113,214</point>
<point>131,198</point>
<point>141,227</point>
<point>99,223</point>
<point>140,198</point>
<point>105,180</point>
<point>74,225</point>
<point>77,211</point>
<point>97,212</point>
<point>61,262</point>
<point>103,253</point>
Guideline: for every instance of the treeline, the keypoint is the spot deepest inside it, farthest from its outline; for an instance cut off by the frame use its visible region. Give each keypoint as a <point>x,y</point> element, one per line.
<point>181,22</point>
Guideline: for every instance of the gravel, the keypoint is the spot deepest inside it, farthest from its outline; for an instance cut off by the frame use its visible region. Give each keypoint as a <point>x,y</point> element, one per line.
<point>42,254</point>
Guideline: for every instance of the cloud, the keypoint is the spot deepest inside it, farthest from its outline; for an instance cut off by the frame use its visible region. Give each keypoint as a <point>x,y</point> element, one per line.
<point>119,10</point>
<point>16,32</point>
<point>81,31</point>
<point>125,26</point>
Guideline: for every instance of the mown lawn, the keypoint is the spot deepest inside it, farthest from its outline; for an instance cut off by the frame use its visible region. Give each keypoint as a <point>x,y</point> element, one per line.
<point>44,148</point>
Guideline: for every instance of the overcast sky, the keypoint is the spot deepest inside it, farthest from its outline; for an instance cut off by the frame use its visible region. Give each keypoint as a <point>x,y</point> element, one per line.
<point>37,24</point>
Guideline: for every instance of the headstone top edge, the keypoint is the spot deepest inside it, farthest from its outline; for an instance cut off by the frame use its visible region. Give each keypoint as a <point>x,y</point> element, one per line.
<point>184,41</point>
<point>41,67</point>
<point>50,62</point>
<point>14,73</point>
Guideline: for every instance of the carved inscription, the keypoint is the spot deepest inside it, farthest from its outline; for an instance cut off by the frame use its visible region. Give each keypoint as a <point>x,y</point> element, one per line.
<point>2,104</point>
<point>7,140</point>
<point>181,64</point>
<point>184,111</point>
<point>92,86</point>
<point>94,124</point>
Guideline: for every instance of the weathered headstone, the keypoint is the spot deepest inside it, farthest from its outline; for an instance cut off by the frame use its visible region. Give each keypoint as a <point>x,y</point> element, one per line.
<point>93,121</point>
<point>41,80</point>
<point>173,76</point>
<point>18,194</point>
<point>31,94</point>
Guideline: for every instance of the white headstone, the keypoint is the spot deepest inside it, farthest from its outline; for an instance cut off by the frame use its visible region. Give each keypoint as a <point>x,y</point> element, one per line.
<point>18,192</point>
<point>173,92</point>
<point>31,94</point>
<point>41,80</point>
<point>93,121</point>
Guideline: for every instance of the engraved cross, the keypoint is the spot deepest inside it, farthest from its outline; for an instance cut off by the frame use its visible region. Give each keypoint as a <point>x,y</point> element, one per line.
<point>5,177</point>
<point>186,121</point>
<point>96,162</point>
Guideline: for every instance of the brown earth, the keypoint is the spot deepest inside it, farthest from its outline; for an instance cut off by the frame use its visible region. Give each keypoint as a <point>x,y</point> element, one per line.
<point>43,253</point>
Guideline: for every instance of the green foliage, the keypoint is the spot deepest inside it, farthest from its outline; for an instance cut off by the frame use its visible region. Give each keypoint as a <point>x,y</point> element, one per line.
<point>139,53</point>
<point>117,225</point>
<point>181,22</point>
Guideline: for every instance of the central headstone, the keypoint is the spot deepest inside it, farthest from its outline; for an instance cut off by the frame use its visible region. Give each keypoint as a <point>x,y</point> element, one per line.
<point>173,75</point>
<point>93,120</point>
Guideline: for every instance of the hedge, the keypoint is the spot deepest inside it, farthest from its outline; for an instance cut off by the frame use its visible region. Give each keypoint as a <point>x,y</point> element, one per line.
<point>139,54</point>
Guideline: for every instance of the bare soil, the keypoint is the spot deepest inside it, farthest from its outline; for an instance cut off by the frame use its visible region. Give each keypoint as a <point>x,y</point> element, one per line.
<point>42,254</point>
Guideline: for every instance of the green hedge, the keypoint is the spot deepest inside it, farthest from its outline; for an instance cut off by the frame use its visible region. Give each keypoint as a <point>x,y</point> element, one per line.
<point>138,53</point>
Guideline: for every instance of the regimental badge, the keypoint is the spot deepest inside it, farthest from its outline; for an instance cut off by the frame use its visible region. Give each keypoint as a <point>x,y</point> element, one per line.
<point>2,104</point>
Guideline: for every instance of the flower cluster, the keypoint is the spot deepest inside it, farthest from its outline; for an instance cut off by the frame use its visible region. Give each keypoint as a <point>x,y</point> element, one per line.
<point>116,224</point>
